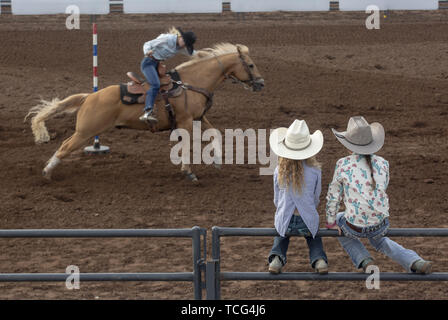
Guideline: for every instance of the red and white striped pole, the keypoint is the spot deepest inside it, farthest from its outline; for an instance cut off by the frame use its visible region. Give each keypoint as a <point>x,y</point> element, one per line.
<point>96,148</point>
<point>95,57</point>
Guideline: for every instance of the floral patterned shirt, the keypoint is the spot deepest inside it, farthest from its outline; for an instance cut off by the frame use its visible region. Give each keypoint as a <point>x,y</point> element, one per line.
<point>366,205</point>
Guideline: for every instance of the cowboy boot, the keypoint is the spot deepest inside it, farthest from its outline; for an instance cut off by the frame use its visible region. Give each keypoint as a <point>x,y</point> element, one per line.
<point>366,263</point>
<point>148,116</point>
<point>275,266</point>
<point>321,266</point>
<point>422,266</point>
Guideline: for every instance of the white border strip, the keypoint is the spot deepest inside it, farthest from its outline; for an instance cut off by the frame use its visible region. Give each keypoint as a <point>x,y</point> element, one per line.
<point>34,7</point>
<point>361,5</point>
<point>279,5</point>
<point>172,6</point>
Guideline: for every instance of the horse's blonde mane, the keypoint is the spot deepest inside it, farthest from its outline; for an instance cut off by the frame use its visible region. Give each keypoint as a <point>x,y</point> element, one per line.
<point>217,50</point>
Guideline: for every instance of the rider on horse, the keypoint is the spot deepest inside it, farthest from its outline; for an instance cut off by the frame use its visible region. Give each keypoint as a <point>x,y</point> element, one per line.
<point>163,47</point>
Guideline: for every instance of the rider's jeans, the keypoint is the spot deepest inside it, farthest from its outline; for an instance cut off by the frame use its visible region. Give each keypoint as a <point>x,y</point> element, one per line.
<point>149,69</point>
<point>357,252</point>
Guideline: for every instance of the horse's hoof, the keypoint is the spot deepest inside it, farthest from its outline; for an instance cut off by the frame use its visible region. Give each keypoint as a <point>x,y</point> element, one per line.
<point>192,177</point>
<point>46,174</point>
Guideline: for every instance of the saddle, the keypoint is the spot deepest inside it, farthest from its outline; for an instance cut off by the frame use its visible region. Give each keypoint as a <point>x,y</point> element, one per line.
<point>135,90</point>
<point>171,86</point>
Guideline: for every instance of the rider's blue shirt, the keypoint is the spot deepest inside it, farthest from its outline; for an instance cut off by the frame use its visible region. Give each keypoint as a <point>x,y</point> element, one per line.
<point>164,47</point>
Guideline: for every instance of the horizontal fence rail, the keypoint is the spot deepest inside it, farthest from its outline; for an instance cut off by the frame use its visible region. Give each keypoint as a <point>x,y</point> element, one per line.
<point>393,232</point>
<point>334,276</point>
<point>96,233</point>
<point>44,277</point>
<point>214,275</point>
<point>194,233</point>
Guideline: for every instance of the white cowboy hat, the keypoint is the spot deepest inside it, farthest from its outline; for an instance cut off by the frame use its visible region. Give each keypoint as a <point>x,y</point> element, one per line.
<point>362,137</point>
<point>296,142</point>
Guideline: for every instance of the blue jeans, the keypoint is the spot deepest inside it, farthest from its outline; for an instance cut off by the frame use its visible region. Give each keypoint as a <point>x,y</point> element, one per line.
<point>357,252</point>
<point>298,227</point>
<point>149,69</point>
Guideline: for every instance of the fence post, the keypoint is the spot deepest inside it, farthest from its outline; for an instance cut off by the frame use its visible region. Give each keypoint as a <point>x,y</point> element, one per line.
<point>212,276</point>
<point>216,256</point>
<point>197,261</point>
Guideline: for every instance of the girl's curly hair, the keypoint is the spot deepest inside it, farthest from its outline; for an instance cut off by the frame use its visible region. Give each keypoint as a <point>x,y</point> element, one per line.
<point>290,172</point>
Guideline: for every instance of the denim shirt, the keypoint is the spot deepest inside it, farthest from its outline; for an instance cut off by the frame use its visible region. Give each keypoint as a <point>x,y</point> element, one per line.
<point>287,200</point>
<point>164,47</point>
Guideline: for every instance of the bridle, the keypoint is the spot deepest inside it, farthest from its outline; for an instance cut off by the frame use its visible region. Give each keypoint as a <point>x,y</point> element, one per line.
<point>208,95</point>
<point>247,84</point>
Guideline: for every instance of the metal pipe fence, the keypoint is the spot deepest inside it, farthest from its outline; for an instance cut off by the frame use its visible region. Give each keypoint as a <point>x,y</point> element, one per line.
<point>214,275</point>
<point>212,268</point>
<point>194,233</point>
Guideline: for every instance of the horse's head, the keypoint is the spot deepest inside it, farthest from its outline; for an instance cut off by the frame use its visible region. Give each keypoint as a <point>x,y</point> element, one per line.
<point>246,71</point>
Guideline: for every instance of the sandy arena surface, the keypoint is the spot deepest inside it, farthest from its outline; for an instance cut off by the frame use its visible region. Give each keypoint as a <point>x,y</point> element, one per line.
<point>322,67</point>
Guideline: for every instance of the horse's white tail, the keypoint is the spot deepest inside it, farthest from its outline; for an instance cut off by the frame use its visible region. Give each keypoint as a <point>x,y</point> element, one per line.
<point>48,109</point>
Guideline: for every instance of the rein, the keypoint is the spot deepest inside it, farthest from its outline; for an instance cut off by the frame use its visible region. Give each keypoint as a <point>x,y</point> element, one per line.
<point>208,95</point>
<point>185,86</point>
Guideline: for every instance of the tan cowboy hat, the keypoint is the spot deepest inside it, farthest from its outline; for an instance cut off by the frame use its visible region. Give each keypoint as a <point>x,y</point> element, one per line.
<point>296,142</point>
<point>362,137</point>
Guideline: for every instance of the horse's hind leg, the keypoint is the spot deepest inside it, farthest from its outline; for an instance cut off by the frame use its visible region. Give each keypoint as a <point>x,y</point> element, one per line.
<point>68,146</point>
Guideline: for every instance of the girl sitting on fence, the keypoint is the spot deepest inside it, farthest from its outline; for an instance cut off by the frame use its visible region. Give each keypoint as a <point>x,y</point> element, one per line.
<point>362,179</point>
<point>297,187</point>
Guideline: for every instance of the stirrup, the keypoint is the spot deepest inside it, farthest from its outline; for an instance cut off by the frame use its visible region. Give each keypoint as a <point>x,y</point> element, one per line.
<point>148,117</point>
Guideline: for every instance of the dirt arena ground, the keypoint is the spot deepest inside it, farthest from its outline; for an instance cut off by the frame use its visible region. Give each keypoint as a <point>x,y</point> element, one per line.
<point>322,67</point>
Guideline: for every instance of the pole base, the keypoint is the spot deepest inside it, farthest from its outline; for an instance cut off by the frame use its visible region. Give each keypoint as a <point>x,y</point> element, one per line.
<point>95,149</point>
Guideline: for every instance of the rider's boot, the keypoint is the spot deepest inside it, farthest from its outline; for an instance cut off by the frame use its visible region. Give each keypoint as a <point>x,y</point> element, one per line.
<point>149,116</point>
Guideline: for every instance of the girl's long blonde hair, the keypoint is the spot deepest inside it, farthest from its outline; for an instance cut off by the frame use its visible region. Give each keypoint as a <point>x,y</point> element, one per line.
<point>173,30</point>
<point>290,172</point>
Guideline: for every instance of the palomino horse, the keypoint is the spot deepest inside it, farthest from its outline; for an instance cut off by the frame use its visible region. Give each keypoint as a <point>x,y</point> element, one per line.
<point>102,110</point>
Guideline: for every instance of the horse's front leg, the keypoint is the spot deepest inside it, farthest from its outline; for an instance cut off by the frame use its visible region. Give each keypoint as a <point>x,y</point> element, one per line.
<point>186,143</point>
<point>186,170</point>
<point>217,154</point>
